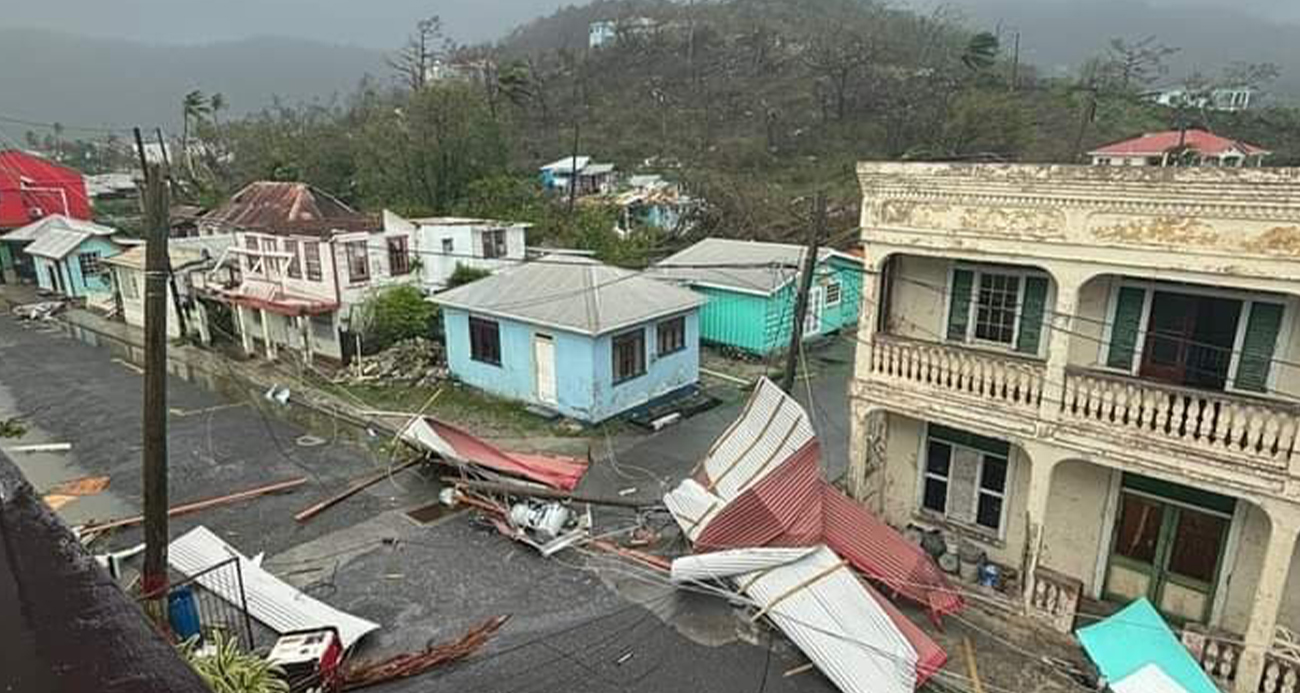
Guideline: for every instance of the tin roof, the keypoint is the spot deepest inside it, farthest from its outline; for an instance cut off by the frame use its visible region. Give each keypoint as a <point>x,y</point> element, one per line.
<point>759,267</point>
<point>1157,143</point>
<point>56,243</point>
<point>571,293</point>
<point>35,229</point>
<point>135,257</point>
<point>287,208</point>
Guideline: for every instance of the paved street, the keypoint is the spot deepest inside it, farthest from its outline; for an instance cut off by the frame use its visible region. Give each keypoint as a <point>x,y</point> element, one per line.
<point>572,622</point>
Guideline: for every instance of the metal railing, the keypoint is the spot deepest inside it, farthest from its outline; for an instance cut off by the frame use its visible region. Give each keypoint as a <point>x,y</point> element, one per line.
<point>194,609</point>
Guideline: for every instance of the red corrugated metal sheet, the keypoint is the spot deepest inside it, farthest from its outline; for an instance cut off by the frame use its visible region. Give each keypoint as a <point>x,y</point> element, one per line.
<point>458,445</point>
<point>32,188</point>
<point>784,509</point>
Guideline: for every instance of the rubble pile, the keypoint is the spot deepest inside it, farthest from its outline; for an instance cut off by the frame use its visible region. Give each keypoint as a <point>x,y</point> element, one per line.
<point>416,361</point>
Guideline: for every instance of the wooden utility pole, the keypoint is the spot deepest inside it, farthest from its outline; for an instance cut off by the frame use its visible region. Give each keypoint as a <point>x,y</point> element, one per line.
<point>815,231</point>
<point>157,269</point>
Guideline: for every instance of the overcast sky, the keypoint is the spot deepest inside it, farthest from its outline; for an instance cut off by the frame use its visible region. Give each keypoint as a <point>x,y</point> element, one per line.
<point>377,24</point>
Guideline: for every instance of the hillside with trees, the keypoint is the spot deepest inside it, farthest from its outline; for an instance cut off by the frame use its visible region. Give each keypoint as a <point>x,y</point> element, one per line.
<point>752,104</point>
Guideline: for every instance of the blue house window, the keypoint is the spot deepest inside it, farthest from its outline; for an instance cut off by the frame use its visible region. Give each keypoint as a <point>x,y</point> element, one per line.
<point>485,341</point>
<point>91,266</point>
<point>672,336</point>
<point>629,355</point>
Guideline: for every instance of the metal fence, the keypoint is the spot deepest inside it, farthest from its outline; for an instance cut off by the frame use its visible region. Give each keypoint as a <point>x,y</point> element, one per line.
<point>210,601</point>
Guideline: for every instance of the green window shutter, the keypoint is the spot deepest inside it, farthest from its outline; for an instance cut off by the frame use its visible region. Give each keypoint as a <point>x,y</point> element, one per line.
<point>1125,326</point>
<point>1032,309</point>
<point>959,306</point>
<point>1257,347</point>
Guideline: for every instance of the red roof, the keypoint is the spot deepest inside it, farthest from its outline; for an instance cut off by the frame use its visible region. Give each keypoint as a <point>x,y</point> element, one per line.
<point>1157,143</point>
<point>32,188</point>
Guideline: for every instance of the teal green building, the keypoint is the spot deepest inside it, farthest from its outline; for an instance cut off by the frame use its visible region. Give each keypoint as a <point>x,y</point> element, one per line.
<point>751,288</point>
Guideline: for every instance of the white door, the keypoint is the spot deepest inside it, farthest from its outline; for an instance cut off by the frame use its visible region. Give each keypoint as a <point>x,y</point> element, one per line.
<point>812,324</point>
<point>544,365</point>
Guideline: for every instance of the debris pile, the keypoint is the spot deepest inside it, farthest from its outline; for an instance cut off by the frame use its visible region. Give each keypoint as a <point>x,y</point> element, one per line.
<point>45,310</point>
<point>416,361</point>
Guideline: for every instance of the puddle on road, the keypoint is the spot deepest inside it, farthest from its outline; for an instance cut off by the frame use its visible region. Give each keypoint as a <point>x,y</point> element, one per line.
<point>47,469</point>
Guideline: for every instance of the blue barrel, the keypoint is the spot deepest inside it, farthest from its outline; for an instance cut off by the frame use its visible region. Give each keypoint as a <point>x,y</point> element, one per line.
<point>989,574</point>
<point>183,613</point>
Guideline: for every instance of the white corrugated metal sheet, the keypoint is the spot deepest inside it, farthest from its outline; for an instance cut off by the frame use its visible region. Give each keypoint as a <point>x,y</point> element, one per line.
<point>271,601</point>
<point>693,506</point>
<point>771,429</point>
<point>725,564</point>
<point>820,604</point>
<point>38,228</point>
<point>1148,679</point>
<point>760,267</point>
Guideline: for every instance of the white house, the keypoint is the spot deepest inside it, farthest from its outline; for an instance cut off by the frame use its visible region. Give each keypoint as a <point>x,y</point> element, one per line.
<point>587,176</point>
<point>1230,99</point>
<point>194,265</point>
<point>1179,148</point>
<point>308,261</point>
<point>443,243</point>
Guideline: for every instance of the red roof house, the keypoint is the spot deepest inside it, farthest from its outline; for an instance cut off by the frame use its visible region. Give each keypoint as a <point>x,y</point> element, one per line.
<point>32,188</point>
<point>1155,148</point>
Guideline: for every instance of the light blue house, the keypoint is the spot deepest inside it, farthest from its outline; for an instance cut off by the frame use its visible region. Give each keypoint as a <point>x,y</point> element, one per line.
<point>751,289</point>
<point>69,259</point>
<point>573,336</point>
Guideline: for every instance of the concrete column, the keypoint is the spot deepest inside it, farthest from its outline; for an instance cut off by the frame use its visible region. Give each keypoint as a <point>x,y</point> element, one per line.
<point>860,411</point>
<point>245,337</point>
<point>304,326</point>
<point>1267,598</point>
<point>1042,463</point>
<point>266,335</point>
<point>1058,325</point>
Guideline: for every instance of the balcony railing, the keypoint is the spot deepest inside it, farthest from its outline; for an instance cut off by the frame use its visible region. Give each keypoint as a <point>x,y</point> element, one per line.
<point>1213,422</point>
<point>988,377</point>
<point>1219,654</point>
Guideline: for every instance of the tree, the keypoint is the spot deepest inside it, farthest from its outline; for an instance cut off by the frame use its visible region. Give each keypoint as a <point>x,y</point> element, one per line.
<point>464,274</point>
<point>981,51</point>
<point>1133,64</point>
<point>193,108</point>
<point>414,61</point>
<point>391,315</point>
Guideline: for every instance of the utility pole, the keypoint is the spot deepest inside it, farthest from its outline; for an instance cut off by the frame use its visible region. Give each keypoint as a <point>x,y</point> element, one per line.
<point>157,269</point>
<point>815,231</point>
<point>573,169</point>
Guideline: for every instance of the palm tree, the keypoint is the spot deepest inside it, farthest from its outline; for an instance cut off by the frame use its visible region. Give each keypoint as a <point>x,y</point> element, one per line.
<point>193,107</point>
<point>216,104</point>
<point>981,51</point>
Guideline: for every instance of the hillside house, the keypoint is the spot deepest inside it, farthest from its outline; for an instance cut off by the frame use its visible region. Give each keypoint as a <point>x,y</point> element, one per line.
<point>32,188</point>
<point>1090,375</point>
<point>651,201</point>
<point>581,173</point>
<point>444,243</point>
<point>751,289</point>
<point>1190,147</point>
<point>193,262</point>
<point>1226,99</point>
<point>307,261</point>
<point>574,336</point>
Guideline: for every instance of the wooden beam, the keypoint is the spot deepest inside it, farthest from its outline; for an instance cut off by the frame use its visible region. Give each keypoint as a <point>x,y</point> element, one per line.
<point>196,506</point>
<point>352,488</point>
<point>541,492</point>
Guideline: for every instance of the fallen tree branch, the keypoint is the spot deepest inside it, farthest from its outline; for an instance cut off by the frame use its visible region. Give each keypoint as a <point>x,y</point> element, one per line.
<point>403,666</point>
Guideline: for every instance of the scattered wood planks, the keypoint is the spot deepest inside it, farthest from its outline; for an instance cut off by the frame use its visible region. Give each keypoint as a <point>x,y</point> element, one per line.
<point>195,506</point>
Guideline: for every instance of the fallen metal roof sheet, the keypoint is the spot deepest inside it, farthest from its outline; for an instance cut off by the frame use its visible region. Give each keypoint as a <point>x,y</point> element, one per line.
<point>1148,679</point>
<point>455,445</point>
<point>770,429</point>
<point>271,601</point>
<point>1136,636</point>
<point>820,604</point>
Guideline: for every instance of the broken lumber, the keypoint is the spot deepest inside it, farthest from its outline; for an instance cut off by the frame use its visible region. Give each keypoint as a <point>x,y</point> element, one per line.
<point>352,488</point>
<point>646,559</point>
<point>971,666</point>
<point>539,492</point>
<point>195,506</point>
<point>41,447</point>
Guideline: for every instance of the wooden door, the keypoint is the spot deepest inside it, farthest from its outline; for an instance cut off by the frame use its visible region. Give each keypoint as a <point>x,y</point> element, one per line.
<point>544,368</point>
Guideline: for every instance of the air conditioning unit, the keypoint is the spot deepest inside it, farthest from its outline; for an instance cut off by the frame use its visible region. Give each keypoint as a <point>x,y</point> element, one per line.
<point>35,213</point>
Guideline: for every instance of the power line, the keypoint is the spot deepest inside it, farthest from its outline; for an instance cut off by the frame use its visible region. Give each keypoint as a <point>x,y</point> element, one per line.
<point>63,126</point>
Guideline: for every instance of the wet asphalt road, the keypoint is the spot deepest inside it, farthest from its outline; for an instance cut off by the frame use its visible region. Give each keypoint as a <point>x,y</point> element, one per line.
<point>576,625</point>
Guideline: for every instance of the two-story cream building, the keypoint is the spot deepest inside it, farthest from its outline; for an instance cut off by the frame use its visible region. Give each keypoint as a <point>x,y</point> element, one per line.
<point>1092,373</point>
<point>308,261</point>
